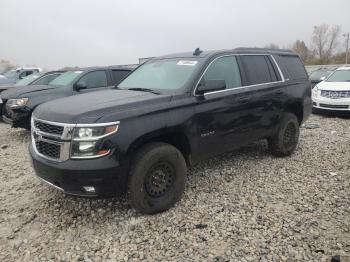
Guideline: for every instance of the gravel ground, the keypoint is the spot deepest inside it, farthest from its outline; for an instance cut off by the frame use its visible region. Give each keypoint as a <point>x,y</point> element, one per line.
<point>245,205</point>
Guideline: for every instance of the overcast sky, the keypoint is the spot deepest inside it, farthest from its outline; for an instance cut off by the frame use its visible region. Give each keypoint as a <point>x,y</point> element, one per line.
<point>56,33</point>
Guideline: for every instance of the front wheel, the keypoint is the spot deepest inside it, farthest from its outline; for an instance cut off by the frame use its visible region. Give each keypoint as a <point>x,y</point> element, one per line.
<point>284,142</point>
<point>157,178</point>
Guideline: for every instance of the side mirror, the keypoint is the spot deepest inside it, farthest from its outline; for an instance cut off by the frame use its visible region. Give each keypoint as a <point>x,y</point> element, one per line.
<point>323,78</point>
<point>80,86</point>
<point>210,86</point>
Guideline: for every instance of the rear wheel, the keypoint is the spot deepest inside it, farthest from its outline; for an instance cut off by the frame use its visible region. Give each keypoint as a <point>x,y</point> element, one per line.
<point>157,178</point>
<point>284,142</point>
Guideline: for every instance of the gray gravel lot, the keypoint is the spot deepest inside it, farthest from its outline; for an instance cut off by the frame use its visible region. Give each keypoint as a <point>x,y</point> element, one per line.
<point>241,206</point>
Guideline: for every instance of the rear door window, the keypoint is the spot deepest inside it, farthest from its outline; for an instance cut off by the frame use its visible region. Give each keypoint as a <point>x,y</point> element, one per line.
<point>225,68</point>
<point>257,69</point>
<point>94,79</point>
<point>119,75</point>
<point>293,66</point>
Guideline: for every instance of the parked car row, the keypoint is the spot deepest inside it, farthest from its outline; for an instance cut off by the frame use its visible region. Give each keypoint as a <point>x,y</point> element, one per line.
<point>138,132</point>
<point>13,76</point>
<point>19,102</point>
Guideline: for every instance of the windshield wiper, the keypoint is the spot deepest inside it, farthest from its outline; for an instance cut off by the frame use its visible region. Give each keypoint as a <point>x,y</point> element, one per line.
<point>144,90</point>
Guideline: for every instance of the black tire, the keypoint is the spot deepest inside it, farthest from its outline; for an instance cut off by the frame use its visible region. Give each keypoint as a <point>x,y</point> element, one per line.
<point>284,142</point>
<point>157,178</point>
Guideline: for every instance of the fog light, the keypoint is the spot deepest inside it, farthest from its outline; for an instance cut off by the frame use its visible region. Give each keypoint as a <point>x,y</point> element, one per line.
<point>89,189</point>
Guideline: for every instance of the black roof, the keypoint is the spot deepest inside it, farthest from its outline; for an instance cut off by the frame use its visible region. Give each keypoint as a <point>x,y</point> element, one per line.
<point>239,50</point>
<point>112,67</point>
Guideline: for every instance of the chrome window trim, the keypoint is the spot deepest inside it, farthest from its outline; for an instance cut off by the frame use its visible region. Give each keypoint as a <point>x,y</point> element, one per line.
<point>241,87</point>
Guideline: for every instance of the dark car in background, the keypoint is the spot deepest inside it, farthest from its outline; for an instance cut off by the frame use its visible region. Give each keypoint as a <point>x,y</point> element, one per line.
<point>319,75</point>
<point>171,112</point>
<point>13,76</point>
<point>19,102</point>
<point>34,79</point>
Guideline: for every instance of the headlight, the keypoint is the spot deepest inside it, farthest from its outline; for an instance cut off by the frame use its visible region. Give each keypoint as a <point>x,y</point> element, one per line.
<point>315,92</point>
<point>87,140</point>
<point>13,103</point>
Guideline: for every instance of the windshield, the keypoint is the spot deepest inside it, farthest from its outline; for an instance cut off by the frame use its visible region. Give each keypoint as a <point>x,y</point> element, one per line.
<point>11,74</point>
<point>316,75</point>
<point>27,80</point>
<point>65,79</point>
<point>339,76</point>
<point>160,75</point>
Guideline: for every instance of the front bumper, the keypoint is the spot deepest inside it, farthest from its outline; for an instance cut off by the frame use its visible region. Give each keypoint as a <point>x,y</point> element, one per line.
<point>1,105</point>
<point>71,176</point>
<point>320,103</point>
<point>19,117</point>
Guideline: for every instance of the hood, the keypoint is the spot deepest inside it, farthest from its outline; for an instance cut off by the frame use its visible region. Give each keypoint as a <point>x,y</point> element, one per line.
<point>334,86</point>
<point>5,80</point>
<point>7,86</point>
<point>21,91</point>
<point>88,108</point>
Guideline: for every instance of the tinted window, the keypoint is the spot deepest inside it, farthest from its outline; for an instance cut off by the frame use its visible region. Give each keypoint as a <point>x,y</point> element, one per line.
<point>119,75</point>
<point>256,69</point>
<point>94,79</point>
<point>24,74</point>
<point>294,67</point>
<point>45,80</point>
<point>275,75</point>
<point>224,68</point>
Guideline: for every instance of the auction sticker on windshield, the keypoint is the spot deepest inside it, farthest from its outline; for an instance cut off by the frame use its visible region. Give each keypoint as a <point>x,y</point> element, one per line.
<point>187,63</point>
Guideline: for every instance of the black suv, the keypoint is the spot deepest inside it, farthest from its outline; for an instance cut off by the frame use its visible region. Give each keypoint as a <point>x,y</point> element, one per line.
<point>18,103</point>
<point>171,112</point>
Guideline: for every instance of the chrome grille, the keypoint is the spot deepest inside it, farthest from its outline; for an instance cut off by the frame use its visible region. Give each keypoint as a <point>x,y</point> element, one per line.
<point>48,128</point>
<point>335,106</point>
<point>48,149</point>
<point>51,140</point>
<point>335,94</point>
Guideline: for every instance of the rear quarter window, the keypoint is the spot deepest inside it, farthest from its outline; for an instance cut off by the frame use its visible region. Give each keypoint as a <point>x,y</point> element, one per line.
<point>292,67</point>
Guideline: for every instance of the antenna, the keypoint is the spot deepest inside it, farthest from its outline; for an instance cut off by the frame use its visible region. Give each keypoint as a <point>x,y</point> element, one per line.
<point>197,52</point>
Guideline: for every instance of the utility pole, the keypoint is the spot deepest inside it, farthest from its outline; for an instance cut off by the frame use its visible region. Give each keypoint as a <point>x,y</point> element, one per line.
<point>347,47</point>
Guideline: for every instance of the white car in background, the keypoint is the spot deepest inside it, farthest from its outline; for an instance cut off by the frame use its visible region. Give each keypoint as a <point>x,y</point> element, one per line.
<point>333,93</point>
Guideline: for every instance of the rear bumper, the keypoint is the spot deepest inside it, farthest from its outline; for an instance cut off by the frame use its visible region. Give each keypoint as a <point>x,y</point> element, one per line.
<point>71,176</point>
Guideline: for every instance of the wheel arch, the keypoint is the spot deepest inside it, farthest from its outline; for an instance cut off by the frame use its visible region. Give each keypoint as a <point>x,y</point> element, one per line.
<point>295,108</point>
<point>176,138</point>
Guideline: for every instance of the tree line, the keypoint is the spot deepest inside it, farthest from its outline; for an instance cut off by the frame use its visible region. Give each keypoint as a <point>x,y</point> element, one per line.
<point>327,46</point>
